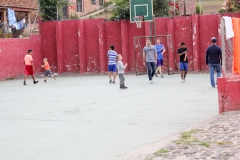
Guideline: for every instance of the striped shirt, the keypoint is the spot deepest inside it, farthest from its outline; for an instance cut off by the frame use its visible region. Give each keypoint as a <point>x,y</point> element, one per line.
<point>111,57</point>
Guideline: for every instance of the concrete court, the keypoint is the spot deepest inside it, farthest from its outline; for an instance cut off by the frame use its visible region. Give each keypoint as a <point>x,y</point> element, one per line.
<point>85,118</point>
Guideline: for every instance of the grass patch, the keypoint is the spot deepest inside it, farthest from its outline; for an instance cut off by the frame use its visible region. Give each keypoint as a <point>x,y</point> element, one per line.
<point>161,152</point>
<point>187,138</point>
<point>206,144</point>
<point>220,143</point>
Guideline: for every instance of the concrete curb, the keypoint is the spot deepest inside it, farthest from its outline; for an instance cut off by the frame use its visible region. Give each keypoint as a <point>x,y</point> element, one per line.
<point>148,151</point>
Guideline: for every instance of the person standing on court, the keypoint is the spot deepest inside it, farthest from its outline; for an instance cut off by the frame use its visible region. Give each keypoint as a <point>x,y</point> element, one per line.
<point>214,60</point>
<point>182,53</point>
<point>29,67</point>
<point>112,68</point>
<point>160,51</point>
<point>150,59</point>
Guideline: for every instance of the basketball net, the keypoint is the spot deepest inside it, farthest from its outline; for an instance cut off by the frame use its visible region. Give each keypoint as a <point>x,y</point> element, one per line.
<point>138,20</point>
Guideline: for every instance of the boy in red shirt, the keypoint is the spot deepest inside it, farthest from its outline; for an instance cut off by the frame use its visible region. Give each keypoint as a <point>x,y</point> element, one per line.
<point>47,70</point>
<point>28,62</point>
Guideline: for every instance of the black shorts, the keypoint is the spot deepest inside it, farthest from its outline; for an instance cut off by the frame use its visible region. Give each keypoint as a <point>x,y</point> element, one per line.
<point>47,73</point>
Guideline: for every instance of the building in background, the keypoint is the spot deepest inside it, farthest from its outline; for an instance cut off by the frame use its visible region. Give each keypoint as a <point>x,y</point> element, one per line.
<point>187,7</point>
<point>82,7</point>
<point>24,10</point>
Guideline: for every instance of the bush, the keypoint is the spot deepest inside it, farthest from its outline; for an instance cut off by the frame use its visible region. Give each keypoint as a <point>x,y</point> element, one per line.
<point>5,35</point>
<point>106,4</point>
<point>198,9</point>
<point>74,16</point>
<point>121,10</point>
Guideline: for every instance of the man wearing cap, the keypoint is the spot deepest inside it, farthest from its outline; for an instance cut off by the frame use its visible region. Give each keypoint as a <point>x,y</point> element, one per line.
<point>214,60</point>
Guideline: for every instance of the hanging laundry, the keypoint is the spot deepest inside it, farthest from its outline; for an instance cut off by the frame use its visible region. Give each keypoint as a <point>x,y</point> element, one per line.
<point>228,27</point>
<point>236,42</point>
<point>11,17</point>
<point>19,25</point>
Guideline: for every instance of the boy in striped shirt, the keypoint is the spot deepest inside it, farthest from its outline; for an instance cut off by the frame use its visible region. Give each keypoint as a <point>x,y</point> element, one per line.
<point>112,68</point>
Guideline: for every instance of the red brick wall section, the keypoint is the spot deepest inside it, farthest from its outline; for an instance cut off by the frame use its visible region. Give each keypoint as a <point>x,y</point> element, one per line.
<point>49,46</point>
<point>12,52</point>
<point>183,33</point>
<point>79,46</point>
<point>208,26</point>
<point>70,46</point>
<point>228,94</point>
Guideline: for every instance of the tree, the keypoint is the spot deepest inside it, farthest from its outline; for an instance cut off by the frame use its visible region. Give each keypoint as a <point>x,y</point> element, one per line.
<point>160,8</point>
<point>52,9</point>
<point>121,10</point>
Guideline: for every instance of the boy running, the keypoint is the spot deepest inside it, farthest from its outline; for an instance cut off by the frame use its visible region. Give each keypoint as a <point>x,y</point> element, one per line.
<point>182,52</point>
<point>160,51</point>
<point>150,59</point>
<point>28,62</point>
<point>112,68</point>
<point>47,70</point>
<point>121,68</point>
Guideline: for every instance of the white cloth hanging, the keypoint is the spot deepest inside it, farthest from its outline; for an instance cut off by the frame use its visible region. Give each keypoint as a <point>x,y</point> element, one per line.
<point>228,27</point>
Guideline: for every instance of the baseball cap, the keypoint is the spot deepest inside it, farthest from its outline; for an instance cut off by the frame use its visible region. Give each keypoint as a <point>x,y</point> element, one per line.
<point>214,39</point>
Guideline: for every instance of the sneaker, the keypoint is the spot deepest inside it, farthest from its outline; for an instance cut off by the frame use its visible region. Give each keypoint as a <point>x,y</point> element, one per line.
<point>151,82</point>
<point>110,81</point>
<point>213,86</point>
<point>162,76</point>
<point>183,81</point>
<point>45,80</point>
<point>24,83</point>
<point>113,82</point>
<point>156,75</point>
<point>35,82</point>
<point>125,87</point>
<point>54,77</point>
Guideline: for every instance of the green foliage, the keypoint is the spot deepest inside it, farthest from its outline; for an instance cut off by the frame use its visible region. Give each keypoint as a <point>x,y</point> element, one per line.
<point>121,10</point>
<point>232,6</point>
<point>5,35</point>
<point>74,16</point>
<point>160,8</point>
<point>49,8</point>
<point>106,4</point>
<point>198,9</point>
<point>161,152</point>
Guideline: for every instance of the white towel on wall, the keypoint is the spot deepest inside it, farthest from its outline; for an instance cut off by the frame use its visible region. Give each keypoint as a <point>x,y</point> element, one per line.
<point>228,27</point>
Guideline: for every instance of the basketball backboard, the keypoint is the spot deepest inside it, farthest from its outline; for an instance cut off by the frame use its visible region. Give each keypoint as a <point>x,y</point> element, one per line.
<point>141,8</point>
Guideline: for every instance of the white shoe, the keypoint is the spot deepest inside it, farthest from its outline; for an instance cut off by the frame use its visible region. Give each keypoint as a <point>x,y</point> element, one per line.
<point>183,81</point>
<point>151,82</point>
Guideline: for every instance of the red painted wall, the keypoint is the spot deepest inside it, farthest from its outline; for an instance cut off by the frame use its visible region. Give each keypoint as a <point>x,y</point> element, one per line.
<point>82,45</point>
<point>228,94</point>
<point>70,46</point>
<point>183,33</point>
<point>49,46</point>
<point>12,52</point>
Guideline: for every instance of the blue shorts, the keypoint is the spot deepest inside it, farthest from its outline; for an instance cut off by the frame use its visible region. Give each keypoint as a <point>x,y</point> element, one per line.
<point>112,68</point>
<point>183,66</point>
<point>160,62</point>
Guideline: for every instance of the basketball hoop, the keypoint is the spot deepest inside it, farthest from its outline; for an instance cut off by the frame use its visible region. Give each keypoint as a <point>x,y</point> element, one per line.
<point>138,21</point>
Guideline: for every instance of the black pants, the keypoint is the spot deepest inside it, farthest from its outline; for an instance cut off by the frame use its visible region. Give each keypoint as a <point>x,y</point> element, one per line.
<point>151,69</point>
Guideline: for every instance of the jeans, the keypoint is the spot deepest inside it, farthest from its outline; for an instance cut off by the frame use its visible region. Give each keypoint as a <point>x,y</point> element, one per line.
<point>151,69</point>
<point>214,67</point>
<point>122,79</point>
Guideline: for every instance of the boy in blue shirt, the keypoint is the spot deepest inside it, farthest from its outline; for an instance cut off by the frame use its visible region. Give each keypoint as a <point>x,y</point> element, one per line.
<point>112,68</point>
<point>160,51</point>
